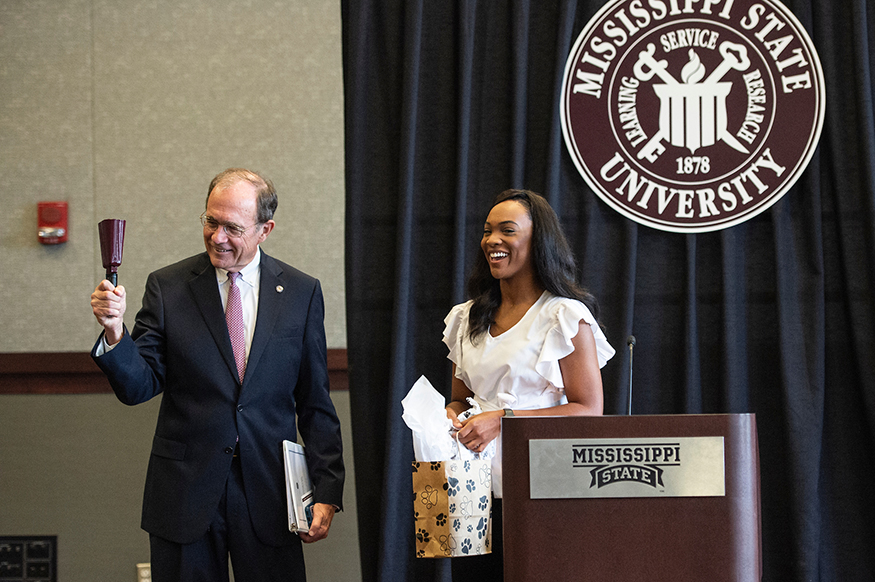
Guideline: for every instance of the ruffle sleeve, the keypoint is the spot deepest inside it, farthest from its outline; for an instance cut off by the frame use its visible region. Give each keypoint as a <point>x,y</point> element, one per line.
<point>564,326</point>
<point>456,323</point>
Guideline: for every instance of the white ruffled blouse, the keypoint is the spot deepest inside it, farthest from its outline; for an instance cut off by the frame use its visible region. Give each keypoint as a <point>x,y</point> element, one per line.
<point>519,369</point>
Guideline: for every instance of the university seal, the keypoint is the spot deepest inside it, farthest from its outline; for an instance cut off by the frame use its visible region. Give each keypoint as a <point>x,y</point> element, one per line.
<point>692,115</point>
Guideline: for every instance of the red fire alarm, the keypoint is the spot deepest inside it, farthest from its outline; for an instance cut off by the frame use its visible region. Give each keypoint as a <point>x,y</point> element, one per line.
<point>52,222</point>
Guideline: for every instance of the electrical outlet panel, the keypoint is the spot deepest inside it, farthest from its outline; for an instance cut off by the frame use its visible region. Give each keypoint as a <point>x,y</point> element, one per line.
<point>28,558</point>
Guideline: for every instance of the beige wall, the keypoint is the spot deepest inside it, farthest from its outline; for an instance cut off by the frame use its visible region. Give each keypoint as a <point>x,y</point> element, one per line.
<point>126,109</point>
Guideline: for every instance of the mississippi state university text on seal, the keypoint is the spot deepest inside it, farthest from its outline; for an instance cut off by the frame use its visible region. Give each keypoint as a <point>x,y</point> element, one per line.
<point>692,115</point>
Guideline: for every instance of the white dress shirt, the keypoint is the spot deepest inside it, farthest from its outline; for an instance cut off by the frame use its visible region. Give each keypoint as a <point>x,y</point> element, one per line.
<point>519,369</point>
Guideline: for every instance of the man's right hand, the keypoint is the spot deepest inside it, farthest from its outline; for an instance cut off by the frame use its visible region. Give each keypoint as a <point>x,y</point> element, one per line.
<point>108,305</point>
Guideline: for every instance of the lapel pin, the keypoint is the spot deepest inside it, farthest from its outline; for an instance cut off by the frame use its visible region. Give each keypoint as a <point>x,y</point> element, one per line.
<point>279,288</point>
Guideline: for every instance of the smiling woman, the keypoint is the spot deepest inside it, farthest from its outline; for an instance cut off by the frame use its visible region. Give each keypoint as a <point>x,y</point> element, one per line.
<point>507,241</point>
<point>527,343</point>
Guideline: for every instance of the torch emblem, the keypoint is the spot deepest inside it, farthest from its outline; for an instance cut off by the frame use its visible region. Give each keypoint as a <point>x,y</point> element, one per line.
<point>692,113</point>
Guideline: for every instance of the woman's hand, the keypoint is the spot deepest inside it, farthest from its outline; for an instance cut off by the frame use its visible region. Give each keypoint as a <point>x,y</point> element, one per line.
<point>480,430</point>
<point>452,415</point>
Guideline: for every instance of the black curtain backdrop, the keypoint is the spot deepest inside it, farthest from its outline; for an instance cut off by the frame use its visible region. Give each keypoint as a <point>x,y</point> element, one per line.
<point>449,103</point>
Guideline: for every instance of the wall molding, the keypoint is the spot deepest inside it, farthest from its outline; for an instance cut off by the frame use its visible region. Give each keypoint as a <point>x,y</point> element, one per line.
<point>76,373</point>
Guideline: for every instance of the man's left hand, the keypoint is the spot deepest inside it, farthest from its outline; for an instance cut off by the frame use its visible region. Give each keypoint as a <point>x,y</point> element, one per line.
<point>323,513</point>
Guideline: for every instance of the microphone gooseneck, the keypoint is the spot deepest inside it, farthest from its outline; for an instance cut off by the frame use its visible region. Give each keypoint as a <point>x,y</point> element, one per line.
<point>630,341</point>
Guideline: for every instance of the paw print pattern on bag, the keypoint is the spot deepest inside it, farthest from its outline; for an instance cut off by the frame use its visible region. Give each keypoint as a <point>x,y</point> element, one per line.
<point>429,497</point>
<point>466,507</point>
<point>485,475</point>
<point>481,528</point>
<point>452,502</point>
<point>447,544</point>
<point>422,536</point>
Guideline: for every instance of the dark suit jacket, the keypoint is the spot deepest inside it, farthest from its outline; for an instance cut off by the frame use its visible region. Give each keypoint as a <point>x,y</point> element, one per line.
<point>180,346</point>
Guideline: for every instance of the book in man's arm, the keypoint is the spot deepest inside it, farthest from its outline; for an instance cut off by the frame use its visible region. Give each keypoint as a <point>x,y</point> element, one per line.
<point>299,490</point>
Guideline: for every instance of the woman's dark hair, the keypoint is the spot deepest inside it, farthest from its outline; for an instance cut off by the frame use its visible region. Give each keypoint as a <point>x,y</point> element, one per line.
<point>553,261</point>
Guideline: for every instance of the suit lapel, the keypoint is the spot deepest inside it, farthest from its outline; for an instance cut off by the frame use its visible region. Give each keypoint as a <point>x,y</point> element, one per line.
<point>205,289</point>
<point>269,295</point>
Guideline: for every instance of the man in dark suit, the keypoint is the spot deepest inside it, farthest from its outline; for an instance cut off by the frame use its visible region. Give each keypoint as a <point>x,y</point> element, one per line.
<point>231,393</point>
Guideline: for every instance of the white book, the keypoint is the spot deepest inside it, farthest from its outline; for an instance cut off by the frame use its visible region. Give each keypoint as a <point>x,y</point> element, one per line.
<point>299,490</point>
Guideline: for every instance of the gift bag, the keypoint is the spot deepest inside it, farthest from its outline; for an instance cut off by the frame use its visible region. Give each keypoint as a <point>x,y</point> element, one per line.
<point>452,508</point>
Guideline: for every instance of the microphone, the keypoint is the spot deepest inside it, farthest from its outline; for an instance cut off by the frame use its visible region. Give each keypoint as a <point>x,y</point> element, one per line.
<point>630,341</point>
<point>112,240</point>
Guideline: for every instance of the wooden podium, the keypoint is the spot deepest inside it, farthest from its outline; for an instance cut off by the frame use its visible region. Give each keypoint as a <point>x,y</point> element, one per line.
<point>636,520</point>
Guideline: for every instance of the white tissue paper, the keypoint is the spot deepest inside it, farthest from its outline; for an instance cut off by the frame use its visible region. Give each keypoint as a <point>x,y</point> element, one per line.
<point>433,432</point>
<point>426,416</point>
